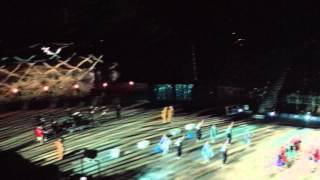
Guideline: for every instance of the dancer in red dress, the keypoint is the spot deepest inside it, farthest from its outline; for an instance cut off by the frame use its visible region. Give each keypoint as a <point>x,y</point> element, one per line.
<point>283,156</point>
<point>316,155</point>
<point>297,143</point>
<point>39,134</point>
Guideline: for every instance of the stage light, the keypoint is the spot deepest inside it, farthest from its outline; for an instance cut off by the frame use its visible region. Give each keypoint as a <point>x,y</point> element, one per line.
<point>46,88</point>
<point>307,117</point>
<point>15,90</point>
<point>76,86</point>
<point>272,113</point>
<point>105,85</point>
<point>258,116</point>
<point>131,83</point>
<point>76,113</point>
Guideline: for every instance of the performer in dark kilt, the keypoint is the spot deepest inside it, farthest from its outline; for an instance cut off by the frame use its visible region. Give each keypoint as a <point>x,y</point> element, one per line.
<point>178,144</point>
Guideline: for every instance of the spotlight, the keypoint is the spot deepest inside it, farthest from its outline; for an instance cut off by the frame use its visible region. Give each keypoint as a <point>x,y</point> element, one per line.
<point>15,90</point>
<point>76,86</point>
<point>131,83</point>
<point>272,113</point>
<point>105,85</point>
<point>307,117</point>
<point>46,88</point>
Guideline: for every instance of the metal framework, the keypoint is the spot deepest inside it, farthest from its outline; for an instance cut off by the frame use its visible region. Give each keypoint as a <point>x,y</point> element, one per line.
<point>26,79</point>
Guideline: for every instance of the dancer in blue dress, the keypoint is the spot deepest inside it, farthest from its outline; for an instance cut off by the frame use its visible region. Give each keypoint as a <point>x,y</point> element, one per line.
<point>207,152</point>
<point>247,137</point>
<point>213,133</point>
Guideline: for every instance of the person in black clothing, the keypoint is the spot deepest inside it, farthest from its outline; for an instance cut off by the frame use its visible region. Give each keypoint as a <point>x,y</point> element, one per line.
<point>229,132</point>
<point>178,144</point>
<point>198,130</point>
<point>118,109</point>
<point>199,133</point>
<point>40,121</point>
<point>224,151</point>
<point>55,126</point>
<point>229,137</point>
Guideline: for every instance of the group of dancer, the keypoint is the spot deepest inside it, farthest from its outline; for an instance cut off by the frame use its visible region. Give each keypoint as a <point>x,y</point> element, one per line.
<point>167,114</point>
<point>59,146</point>
<point>165,142</point>
<point>292,151</point>
<point>46,128</point>
<point>207,152</point>
<point>289,153</point>
<point>50,128</point>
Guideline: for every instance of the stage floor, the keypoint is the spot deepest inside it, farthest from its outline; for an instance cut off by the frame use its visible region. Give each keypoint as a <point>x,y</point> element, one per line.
<point>255,162</point>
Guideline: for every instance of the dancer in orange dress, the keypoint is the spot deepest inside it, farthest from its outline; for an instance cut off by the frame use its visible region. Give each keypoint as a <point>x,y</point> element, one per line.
<point>164,115</point>
<point>59,148</point>
<point>170,112</point>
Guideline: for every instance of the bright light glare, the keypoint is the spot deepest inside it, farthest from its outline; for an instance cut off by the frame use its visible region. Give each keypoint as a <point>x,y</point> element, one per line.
<point>46,88</point>
<point>131,83</point>
<point>76,86</point>
<point>272,113</point>
<point>15,90</point>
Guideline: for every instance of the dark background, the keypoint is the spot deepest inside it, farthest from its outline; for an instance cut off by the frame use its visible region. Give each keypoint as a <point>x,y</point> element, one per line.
<point>152,40</point>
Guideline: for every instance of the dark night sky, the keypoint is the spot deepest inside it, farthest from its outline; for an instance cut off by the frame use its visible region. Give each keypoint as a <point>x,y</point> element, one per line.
<point>152,39</point>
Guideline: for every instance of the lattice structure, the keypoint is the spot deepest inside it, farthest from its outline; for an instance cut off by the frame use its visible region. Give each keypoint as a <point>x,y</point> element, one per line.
<point>56,77</point>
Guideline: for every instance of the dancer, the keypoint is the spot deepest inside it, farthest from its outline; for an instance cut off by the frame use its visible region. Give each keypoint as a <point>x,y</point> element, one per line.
<point>55,127</point>
<point>213,133</point>
<point>229,132</point>
<point>190,133</point>
<point>224,151</point>
<point>46,133</point>
<point>170,112</point>
<point>178,144</point>
<point>164,114</point>
<point>198,129</point>
<point>206,152</point>
<point>280,161</point>
<point>315,156</point>
<point>247,138</point>
<point>118,110</point>
<point>290,155</point>
<point>283,156</point>
<point>159,147</point>
<point>39,133</point>
<point>59,148</point>
<point>41,121</point>
<point>297,144</point>
<point>165,144</point>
